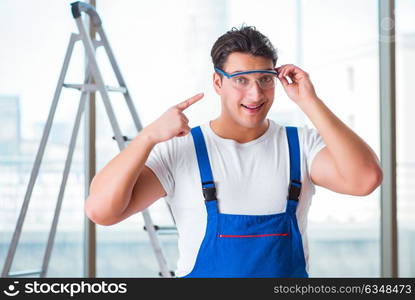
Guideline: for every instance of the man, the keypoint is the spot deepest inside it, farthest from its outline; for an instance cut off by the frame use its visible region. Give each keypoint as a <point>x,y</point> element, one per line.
<point>239,186</point>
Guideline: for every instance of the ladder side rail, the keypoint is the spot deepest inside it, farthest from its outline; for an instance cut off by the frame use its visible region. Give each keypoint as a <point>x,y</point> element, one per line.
<point>39,156</point>
<point>67,167</point>
<point>94,69</point>
<point>146,213</point>
<point>93,65</point>
<point>120,78</point>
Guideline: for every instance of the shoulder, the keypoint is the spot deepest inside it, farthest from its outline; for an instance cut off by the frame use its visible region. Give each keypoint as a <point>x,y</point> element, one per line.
<point>304,131</point>
<point>307,131</point>
<point>177,148</point>
<point>309,139</point>
<point>307,136</point>
<point>281,133</point>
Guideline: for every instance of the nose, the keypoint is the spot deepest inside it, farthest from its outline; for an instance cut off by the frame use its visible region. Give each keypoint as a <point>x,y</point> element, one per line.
<point>254,91</point>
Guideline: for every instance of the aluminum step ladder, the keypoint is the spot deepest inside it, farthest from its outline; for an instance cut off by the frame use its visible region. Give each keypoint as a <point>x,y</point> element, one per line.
<point>93,82</point>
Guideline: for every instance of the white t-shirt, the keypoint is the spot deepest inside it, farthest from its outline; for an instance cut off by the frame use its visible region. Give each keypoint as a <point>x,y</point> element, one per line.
<point>251,178</point>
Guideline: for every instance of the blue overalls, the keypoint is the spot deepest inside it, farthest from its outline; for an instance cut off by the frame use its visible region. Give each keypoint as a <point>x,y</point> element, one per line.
<point>250,245</point>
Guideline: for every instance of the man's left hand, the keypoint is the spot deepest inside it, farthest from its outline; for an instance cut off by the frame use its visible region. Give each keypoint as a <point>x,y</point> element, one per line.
<point>300,89</point>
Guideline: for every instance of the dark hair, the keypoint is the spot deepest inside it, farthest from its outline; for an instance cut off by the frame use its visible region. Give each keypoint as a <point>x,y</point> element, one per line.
<point>246,39</point>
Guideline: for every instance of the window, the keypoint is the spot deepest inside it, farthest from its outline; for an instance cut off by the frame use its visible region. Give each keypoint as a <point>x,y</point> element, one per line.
<point>341,51</point>
<point>405,108</point>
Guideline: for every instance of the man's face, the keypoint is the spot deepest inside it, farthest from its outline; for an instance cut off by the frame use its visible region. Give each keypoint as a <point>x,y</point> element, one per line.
<point>235,100</point>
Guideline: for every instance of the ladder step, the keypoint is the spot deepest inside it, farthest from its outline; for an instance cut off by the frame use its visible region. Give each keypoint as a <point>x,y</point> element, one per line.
<point>125,138</point>
<point>171,273</point>
<point>25,273</point>
<point>164,230</point>
<point>93,87</point>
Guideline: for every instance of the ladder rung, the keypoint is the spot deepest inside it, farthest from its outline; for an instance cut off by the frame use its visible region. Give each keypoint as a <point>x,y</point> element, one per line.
<point>171,273</point>
<point>164,230</point>
<point>89,87</point>
<point>125,138</point>
<point>98,43</point>
<point>24,273</point>
<point>167,232</point>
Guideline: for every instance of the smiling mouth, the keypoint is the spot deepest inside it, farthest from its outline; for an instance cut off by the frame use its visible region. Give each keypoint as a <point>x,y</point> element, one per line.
<point>253,108</point>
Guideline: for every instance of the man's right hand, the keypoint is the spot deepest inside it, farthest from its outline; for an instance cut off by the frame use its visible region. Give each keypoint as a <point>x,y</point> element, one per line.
<point>171,123</point>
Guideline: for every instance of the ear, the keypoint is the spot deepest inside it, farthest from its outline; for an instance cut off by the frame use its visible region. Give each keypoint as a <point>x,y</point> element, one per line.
<point>217,83</point>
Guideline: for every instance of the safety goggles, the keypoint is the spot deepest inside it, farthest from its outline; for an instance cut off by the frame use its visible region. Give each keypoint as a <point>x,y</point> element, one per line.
<point>242,82</point>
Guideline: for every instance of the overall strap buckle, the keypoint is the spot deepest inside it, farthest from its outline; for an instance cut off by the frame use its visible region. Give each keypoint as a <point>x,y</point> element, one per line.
<point>294,190</point>
<point>209,193</point>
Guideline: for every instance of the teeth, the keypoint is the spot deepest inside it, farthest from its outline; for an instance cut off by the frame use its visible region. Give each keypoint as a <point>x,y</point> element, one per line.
<point>252,107</point>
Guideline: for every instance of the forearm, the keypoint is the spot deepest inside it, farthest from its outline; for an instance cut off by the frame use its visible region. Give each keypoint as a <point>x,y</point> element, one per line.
<point>354,159</point>
<point>111,188</point>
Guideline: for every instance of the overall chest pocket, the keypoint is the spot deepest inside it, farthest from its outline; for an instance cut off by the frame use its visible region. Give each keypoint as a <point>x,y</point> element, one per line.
<point>251,254</point>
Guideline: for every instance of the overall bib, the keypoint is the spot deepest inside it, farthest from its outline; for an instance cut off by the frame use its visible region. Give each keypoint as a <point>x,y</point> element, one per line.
<point>250,245</point>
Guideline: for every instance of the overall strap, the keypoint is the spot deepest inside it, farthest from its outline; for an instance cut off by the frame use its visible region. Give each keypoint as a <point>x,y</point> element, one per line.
<point>294,189</point>
<point>208,186</point>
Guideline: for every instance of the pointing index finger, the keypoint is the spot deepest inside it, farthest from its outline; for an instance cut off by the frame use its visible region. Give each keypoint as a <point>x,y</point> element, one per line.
<point>185,104</point>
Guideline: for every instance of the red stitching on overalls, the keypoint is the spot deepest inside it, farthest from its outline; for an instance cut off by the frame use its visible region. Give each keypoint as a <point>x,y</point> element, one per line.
<point>252,235</point>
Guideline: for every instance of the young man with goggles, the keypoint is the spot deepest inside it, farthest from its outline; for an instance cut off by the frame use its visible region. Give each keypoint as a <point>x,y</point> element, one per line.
<point>239,186</point>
